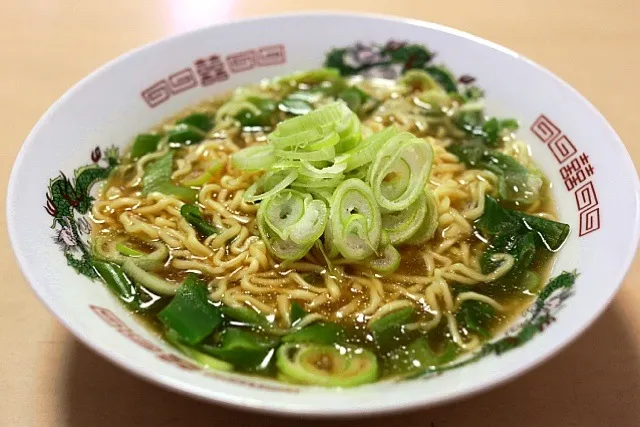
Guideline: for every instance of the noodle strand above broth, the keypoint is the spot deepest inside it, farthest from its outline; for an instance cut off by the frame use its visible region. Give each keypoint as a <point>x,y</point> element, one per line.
<point>328,230</point>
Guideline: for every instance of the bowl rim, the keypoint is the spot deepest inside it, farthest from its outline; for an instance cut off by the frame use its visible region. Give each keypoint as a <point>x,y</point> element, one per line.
<point>235,401</point>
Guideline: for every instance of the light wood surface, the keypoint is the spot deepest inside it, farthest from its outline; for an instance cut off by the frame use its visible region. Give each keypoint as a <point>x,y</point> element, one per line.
<point>47,378</point>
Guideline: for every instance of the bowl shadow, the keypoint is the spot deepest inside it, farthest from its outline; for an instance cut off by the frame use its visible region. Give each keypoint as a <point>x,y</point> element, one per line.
<point>594,382</point>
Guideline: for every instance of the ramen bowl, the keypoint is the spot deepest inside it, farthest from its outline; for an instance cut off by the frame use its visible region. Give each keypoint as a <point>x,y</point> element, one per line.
<point>593,181</point>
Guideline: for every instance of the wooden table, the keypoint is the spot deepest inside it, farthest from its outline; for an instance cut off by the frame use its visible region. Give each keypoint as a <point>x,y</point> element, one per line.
<point>47,378</point>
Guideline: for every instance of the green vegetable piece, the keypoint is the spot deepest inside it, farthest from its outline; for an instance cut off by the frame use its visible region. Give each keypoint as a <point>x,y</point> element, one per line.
<point>193,215</point>
<point>552,233</point>
<point>318,333</point>
<point>186,134</point>
<point>476,317</point>
<point>516,183</point>
<point>417,357</point>
<point>118,282</point>
<point>354,97</point>
<point>267,109</point>
<point>206,176</point>
<point>245,350</point>
<point>444,78</point>
<point>297,313</point>
<point>419,80</point>
<point>388,329</point>
<point>144,143</point>
<point>326,365</point>
<point>498,220</point>
<point>127,251</point>
<point>190,314</point>
<point>294,106</point>
<point>491,129</point>
<point>531,281</point>
<point>157,177</point>
<point>200,357</point>
<point>245,316</point>
<point>198,120</point>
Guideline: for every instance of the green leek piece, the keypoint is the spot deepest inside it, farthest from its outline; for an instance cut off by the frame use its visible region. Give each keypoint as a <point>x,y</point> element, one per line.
<point>297,313</point>
<point>197,120</point>
<point>245,350</point>
<point>256,157</point>
<point>419,80</point>
<point>206,176</point>
<point>402,225</point>
<point>245,317</point>
<point>204,359</point>
<point>282,181</point>
<point>193,215</point>
<point>145,143</point>
<point>157,177</point>
<point>295,106</point>
<point>400,172</point>
<point>127,251</point>
<point>149,280</point>
<point>118,282</point>
<point>418,357</point>
<point>324,333</point>
<point>387,262</point>
<point>388,329</point>
<point>185,134</point>
<point>260,116</point>
<point>429,224</point>
<point>355,220</point>
<point>144,261</point>
<point>366,151</point>
<point>327,365</point>
<point>190,314</point>
<point>444,78</point>
<point>294,215</point>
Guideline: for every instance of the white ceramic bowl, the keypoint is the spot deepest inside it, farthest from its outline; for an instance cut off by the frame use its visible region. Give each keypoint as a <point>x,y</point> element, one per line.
<point>594,180</point>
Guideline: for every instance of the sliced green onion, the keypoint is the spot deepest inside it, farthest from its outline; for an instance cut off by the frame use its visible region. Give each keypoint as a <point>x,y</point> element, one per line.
<point>402,225</point>
<point>127,251</point>
<point>256,157</point>
<point>144,261</point>
<point>251,196</point>
<point>366,151</point>
<point>355,220</point>
<point>400,172</point>
<point>327,365</point>
<point>285,249</point>
<point>327,153</point>
<point>430,222</point>
<point>332,171</point>
<point>292,216</point>
<point>190,314</point>
<point>149,280</point>
<point>387,262</point>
